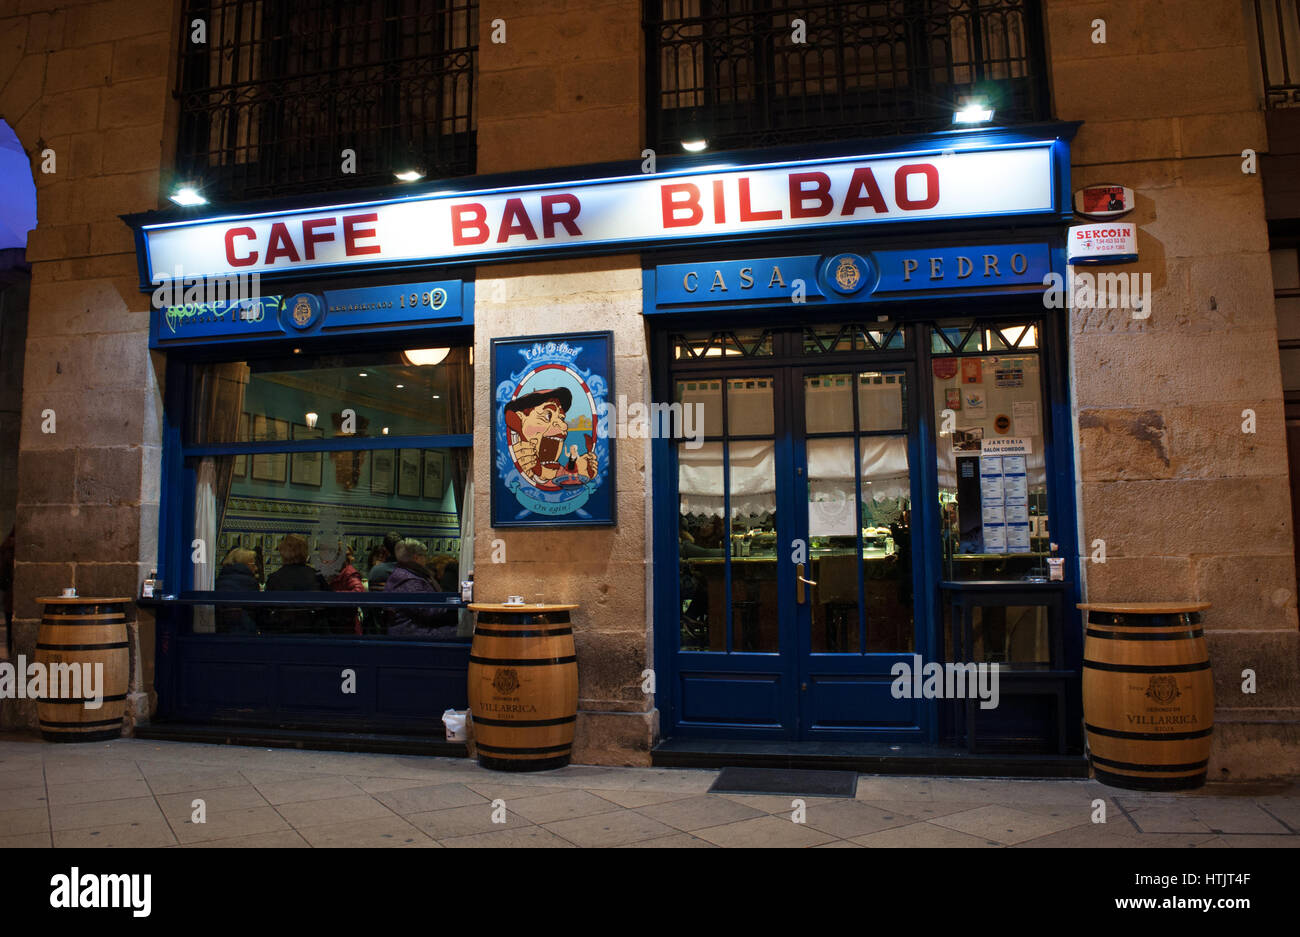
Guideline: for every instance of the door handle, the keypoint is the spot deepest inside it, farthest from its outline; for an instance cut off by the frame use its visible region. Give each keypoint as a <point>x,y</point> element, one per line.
<point>800,581</point>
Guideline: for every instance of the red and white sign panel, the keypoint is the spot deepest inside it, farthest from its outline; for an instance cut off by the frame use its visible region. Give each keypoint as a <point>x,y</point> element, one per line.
<point>1112,243</point>
<point>1012,180</point>
<point>1103,201</point>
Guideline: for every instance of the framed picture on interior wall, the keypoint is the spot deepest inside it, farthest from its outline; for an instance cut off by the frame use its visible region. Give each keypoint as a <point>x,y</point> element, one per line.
<point>268,429</point>
<point>552,461</point>
<point>435,474</point>
<point>271,467</point>
<point>408,473</point>
<point>382,471</point>
<point>305,467</point>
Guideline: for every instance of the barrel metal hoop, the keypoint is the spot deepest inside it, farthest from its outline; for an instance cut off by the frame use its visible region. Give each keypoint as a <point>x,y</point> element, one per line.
<point>522,661</point>
<point>506,750</point>
<point>523,617</point>
<point>1139,636</point>
<point>1144,668</point>
<point>82,647</point>
<point>1130,766</point>
<point>524,723</point>
<point>1130,620</point>
<point>65,701</point>
<point>542,633</point>
<point>80,725</point>
<point>1148,736</point>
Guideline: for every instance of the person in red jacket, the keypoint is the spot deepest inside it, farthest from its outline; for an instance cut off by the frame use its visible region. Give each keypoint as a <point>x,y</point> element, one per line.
<point>347,579</point>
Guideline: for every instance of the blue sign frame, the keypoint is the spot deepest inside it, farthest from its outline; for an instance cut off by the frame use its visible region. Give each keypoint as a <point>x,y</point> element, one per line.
<point>872,276</point>
<point>232,315</point>
<point>540,384</point>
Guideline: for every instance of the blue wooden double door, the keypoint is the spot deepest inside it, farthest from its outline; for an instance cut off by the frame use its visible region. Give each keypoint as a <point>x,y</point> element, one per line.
<point>800,543</point>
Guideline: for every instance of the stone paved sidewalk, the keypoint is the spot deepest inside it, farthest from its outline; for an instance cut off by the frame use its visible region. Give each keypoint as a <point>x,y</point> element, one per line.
<point>141,793</point>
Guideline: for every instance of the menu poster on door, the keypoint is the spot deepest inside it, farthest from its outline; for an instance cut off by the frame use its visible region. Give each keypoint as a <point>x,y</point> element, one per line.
<point>1005,495</point>
<point>993,514</point>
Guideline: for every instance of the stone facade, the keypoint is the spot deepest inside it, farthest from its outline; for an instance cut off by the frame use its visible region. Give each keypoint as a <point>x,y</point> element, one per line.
<point>88,81</point>
<point>1187,504</point>
<point>557,79</point>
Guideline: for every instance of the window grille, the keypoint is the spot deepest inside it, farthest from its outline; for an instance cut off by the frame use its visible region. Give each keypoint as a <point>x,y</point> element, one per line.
<point>730,71</point>
<point>279,91</point>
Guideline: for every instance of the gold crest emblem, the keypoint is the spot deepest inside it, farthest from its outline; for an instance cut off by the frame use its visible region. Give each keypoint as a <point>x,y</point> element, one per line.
<point>1163,689</point>
<point>301,311</point>
<point>506,681</point>
<point>847,274</point>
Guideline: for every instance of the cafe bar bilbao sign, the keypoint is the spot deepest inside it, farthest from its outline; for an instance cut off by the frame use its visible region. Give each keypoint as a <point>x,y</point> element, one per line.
<point>1013,179</point>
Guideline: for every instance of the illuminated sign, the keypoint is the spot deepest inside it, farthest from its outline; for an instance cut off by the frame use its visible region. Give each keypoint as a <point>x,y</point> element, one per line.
<point>1012,180</point>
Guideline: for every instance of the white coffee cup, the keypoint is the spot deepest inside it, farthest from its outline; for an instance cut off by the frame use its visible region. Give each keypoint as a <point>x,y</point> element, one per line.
<point>514,600</point>
<point>70,593</point>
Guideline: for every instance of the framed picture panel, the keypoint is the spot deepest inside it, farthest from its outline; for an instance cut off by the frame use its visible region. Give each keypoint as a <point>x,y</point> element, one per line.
<point>305,468</point>
<point>383,471</point>
<point>408,473</point>
<point>552,456</point>
<point>435,474</point>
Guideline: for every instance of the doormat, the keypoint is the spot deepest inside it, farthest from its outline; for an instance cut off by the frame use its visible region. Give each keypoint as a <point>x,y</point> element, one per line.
<point>792,781</point>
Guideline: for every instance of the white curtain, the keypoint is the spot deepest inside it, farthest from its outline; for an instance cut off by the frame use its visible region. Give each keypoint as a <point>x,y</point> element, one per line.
<point>465,622</point>
<point>205,531</point>
<point>753,473</point>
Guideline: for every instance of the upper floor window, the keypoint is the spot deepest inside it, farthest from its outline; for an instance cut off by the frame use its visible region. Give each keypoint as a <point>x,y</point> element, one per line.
<point>278,92</point>
<point>744,73</point>
<point>1276,25</point>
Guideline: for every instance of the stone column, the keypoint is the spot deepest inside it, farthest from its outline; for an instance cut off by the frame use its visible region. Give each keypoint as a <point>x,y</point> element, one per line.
<point>566,88</point>
<point>89,82</point>
<point>1189,502</point>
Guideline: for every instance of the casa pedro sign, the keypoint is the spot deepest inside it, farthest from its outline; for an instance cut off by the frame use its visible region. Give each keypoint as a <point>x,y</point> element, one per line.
<point>1014,179</point>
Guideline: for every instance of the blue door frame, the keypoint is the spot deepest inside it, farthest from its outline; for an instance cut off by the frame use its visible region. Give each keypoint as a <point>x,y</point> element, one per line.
<point>793,693</point>
<point>749,683</point>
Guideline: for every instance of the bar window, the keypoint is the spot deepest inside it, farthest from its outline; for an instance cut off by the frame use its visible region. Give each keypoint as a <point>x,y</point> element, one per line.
<point>316,478</point>
<point>991,450</point>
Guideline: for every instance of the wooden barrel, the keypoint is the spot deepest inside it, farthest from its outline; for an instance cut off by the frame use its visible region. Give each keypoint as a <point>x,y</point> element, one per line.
<point>1148,695</point>
<point>76,632</point>
<point>523,686</point>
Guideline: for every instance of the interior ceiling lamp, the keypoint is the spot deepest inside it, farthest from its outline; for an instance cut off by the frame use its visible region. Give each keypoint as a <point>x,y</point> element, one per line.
<point>311,420</point>
<point>425,356</point>
<point>409,175</point>
<point>972,111</point>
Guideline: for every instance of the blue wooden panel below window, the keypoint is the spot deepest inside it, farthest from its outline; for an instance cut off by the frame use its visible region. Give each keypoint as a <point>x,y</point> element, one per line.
<point>753,699</point>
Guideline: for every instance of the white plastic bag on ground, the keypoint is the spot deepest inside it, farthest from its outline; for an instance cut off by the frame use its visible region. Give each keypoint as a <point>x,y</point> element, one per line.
<point>455,721</point>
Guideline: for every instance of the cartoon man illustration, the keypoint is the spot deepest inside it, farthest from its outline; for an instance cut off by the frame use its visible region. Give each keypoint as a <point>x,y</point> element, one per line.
<point>537,432</point>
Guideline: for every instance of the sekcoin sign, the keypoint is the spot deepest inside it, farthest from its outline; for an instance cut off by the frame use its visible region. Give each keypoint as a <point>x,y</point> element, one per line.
<point>1113,243</point>
<point>1012,180</point>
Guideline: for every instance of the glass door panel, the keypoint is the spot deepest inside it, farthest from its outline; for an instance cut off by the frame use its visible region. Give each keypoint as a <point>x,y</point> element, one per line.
<point>859,511</point>
<point>727,515</point>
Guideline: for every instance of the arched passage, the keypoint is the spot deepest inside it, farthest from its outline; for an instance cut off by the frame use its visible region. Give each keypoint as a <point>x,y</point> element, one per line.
<point>17,217</point>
